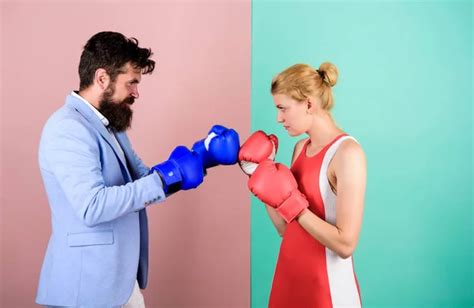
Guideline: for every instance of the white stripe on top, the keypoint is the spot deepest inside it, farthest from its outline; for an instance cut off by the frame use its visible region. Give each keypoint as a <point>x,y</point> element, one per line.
<point>342,281</point>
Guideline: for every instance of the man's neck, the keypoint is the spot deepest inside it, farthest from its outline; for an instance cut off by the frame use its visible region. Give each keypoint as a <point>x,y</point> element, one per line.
<point>89,96</point>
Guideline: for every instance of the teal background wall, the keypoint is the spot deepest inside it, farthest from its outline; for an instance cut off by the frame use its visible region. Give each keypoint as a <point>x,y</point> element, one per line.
<point>405,92</point>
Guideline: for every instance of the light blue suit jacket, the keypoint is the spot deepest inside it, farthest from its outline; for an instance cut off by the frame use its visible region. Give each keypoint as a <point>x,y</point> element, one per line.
<point>99,241</point>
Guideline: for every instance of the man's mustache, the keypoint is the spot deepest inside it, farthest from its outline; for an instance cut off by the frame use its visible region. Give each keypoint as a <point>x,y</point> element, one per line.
<point>129,101</point>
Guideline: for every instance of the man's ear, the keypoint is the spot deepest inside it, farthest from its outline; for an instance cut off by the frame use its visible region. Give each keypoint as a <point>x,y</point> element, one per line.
<point>101,78</point>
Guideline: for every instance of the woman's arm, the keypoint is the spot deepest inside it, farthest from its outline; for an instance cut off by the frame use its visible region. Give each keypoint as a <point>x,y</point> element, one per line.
<point>350,171</point>
<point>277,220</point>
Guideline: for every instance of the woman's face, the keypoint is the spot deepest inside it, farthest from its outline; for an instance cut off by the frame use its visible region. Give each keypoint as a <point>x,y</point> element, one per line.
<point>293,115</point>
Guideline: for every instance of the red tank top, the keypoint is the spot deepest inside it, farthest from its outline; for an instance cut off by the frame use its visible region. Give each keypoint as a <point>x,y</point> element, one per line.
<point>307,273</point>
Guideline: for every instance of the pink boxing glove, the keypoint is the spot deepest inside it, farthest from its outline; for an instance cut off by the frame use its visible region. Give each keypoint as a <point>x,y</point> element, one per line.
<point>275,185</point>
<point>258,147</point>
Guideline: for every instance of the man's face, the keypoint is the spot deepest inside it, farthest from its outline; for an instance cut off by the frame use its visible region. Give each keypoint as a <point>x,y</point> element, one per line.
<point>119,96</point>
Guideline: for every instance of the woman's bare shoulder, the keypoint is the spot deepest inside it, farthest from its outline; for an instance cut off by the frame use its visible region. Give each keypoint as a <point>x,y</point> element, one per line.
<point>298,147</point>
<point>350,151</point>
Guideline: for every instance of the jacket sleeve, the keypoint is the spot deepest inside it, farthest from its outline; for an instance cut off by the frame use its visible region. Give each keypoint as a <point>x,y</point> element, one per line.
<point>71,153</point>
<point>140,168</point>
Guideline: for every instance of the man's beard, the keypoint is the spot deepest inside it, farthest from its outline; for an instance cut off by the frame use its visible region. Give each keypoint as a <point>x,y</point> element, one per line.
<point>118,114</point>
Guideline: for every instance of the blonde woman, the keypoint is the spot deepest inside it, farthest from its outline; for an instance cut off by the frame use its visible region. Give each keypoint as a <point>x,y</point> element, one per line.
<point>316,206</point>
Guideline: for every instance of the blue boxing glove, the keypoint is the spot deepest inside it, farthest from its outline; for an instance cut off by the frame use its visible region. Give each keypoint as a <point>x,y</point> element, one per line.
<point>182,171</point>
<point>221,147</point>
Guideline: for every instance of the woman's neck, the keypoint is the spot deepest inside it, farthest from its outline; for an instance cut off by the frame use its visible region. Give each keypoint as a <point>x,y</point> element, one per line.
<point>323,130</point>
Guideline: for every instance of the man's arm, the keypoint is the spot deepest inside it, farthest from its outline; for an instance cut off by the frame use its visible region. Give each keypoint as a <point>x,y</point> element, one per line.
<point>71,154</point>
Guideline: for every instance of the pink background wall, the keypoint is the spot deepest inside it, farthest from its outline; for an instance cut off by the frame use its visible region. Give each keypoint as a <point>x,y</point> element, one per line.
<point>200,250</point>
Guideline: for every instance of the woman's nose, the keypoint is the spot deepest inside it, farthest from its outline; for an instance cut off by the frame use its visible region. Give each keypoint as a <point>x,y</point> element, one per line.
<point>279,117</point>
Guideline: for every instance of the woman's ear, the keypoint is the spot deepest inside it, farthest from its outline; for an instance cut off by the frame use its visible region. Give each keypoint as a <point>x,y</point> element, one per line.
<point>310,107</point>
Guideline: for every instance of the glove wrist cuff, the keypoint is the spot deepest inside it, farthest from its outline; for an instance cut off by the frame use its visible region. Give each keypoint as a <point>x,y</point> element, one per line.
<point>292,206</point>
<point>170,176</point>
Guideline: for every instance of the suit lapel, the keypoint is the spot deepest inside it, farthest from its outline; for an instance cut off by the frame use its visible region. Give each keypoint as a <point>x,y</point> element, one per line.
<point>87,113</point>
<point>129,156</point>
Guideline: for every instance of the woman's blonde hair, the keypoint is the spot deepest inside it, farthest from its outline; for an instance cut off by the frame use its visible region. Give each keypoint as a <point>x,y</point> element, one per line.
<point>301,81</point>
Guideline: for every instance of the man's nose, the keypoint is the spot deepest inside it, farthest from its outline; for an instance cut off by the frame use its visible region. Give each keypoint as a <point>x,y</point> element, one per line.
<point>135,93</point>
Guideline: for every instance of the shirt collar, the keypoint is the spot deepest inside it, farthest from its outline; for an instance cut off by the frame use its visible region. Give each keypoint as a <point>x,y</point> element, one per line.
<point>97,113</point>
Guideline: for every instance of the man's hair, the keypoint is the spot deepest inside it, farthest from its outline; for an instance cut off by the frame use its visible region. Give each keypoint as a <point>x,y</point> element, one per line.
<point>111,51</point>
